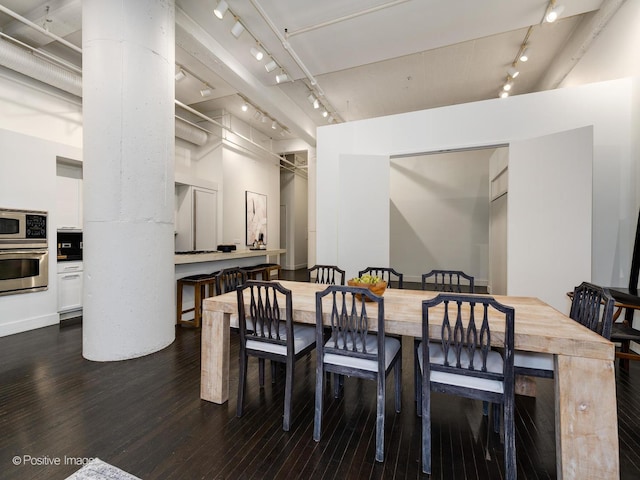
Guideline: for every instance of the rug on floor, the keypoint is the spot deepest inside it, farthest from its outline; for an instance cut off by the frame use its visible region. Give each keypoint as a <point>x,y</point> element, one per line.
<point>96,469</point>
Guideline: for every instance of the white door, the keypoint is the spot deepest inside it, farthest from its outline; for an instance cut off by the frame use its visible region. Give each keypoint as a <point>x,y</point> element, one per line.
<point>550,215</point>
<point>205,215</point>
<point>363,212</point>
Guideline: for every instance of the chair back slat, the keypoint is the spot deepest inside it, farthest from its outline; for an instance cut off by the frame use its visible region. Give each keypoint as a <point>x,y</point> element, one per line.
<point>265,312</point>
<point>469,339</point>
<point>451,281</point>
<point>326,274</point>
<point>394,279</point>
<point>592,306</point>
<point>350,320</point>
<point>229,279</point>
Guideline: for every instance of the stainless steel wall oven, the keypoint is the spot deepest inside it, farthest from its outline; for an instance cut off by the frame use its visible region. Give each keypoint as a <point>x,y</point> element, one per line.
<point>24,255</point>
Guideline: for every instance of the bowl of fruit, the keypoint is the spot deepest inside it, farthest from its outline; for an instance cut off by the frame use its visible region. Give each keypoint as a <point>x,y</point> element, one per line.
<point>374,283</point>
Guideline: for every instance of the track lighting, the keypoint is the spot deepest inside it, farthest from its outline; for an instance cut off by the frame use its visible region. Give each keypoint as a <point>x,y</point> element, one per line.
<point>180,75</point>
<point>257,53</point>
<point>274,124</point>
<point>257,115</point>
<point>330,119</point>
<point>311,99</point>
<point>245,107</point>
<point>507,86</point>
<point>503,94</point>
<point>283,77</point>
<point>524,55</point>
<point>325,113</point>
<point>512,72</point>
<point>553,13</point>
<point>221,9</point>
<point>206,91</point>
<point>264,119</point>
<point>316,104</point>
<point>270,66</point>
<point>237,29</point>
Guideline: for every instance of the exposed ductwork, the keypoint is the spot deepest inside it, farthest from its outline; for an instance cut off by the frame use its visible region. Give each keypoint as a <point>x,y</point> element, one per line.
<point>29,64</point>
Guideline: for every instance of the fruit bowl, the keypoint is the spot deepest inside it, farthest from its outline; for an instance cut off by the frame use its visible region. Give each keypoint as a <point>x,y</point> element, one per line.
<point>378,287</point>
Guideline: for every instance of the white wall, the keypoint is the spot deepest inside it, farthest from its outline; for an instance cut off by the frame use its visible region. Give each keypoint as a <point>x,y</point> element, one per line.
<point>607,106</point>
<point>440,214</point>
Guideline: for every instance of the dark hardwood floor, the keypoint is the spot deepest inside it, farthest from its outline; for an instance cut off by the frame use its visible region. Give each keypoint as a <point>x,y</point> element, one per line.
<point>146,417</point>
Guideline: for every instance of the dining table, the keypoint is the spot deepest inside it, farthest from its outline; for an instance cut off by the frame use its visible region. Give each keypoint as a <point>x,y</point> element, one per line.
<point>585,389</point>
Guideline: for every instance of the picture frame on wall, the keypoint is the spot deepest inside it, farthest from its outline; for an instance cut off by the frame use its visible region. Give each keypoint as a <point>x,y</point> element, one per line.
<point>256,217</point>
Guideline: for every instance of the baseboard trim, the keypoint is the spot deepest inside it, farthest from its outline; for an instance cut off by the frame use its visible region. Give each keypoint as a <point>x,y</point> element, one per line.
<point>27,324</point>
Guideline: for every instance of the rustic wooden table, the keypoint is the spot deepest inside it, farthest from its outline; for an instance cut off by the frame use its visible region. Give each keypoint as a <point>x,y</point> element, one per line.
<point>586,416</point>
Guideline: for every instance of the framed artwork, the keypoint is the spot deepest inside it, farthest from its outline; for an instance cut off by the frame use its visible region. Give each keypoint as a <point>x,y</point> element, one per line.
<point>256,217</point>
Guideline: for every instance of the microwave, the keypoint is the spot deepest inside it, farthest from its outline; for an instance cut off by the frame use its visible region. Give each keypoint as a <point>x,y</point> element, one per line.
<point>23,229</point>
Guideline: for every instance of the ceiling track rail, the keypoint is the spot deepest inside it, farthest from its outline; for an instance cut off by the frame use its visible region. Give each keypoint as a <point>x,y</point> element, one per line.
<point>287,46</point>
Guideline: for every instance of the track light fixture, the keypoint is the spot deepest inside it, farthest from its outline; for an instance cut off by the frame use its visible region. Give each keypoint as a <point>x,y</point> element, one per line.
<point>503,94</point>
<point>257,53</point>
<point>180,75</point>
<point>221,9</point>
<point>237,29</point>
<point>524,55</point>
<point>507,86</point>
<point>274,124</point>
<point>513,72</point>
<point>325,113</point>
<point>206,91</point>
<point>282,77</point>
<point>257,115</point>
<point>245,107</point>
<point>312,99</point>
<point>553,12</point>
<point>270,66</point>
<point>316,104</point>
<point>264,119</point>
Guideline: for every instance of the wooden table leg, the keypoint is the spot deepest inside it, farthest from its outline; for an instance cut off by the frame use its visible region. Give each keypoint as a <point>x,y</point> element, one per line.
<point>214,376</point>
<point>586,419</point>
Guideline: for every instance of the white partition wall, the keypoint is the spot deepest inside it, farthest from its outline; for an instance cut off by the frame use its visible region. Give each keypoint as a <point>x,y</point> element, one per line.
<point>549,215</point>
<point>363,213</point>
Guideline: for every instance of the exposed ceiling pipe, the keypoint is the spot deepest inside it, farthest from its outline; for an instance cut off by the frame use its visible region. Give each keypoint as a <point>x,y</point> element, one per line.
<point>294,55</point>
<point>580,41</point>
<point>24,62</point>
<point>18,59</point>
<point>37,27</point>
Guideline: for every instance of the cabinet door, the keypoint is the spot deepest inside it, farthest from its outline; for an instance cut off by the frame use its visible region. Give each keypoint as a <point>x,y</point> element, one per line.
<point>205,212</point>
<point>68,202</point>
<point>69,291</point>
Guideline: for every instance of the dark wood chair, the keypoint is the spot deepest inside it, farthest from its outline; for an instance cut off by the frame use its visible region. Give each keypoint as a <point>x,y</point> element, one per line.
<point>201,283</point>
<point>274,336</point>
<point>452,281</point>
<point>326,274</point>
<point>629,300</point>
<point>592,307</point>
<point>394,279</point>
<point>227,280</point>
<point>353,351</point>
<point>462,362</point>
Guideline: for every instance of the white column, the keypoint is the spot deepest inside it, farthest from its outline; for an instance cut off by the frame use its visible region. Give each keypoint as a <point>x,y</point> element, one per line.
<point>128,135</point>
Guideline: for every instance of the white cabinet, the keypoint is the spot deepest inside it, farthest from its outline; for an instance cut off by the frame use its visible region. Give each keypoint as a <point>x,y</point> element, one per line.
<point>196,218</point>
<point>69,286</point>
<point>68,197</point>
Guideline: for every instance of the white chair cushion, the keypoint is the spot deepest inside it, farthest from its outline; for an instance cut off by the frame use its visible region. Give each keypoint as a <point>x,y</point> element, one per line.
<point>391,347</point>
<point>303,336</point>
<point>494,364</point>
<point>539,361</point>
<point>234,322</point>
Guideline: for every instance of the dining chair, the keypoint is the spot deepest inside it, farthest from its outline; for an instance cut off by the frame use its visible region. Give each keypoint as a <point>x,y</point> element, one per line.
<point>326,274</point>
<point>462,362</point>
<point>453,281</point>
<point>274,336</point>
<point>592,307</point>
<point>388,274</point>
<point>227,280</point>
<point>354,313</point>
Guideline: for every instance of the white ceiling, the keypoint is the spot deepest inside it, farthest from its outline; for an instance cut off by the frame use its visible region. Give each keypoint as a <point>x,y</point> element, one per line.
<point>362,58</point>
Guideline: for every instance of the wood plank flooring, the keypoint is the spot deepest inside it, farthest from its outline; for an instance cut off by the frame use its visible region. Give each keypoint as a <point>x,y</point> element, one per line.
<point>146,417</point>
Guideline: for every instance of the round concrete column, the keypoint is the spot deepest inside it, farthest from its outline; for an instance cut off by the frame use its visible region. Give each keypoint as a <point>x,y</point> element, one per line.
<point>128,135</point>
